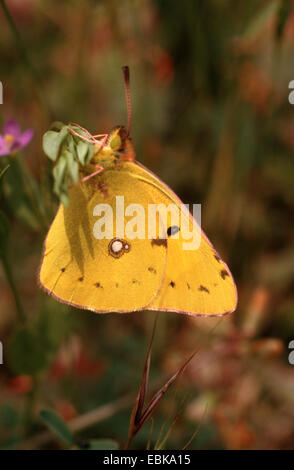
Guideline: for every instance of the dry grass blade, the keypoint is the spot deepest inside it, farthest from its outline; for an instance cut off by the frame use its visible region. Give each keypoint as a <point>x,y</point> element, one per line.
<point>144,384</point>
<point>158,396</point>
<point>159,445</point>
<point>138,418</point>
<point>196,430</point>
<point>150,435</point>
<point>140,399</point>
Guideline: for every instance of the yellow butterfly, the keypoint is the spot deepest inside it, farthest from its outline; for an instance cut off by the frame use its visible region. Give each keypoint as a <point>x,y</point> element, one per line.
<point>122,273</point>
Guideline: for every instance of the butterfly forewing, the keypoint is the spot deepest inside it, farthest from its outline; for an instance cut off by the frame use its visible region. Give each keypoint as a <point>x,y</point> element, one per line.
<point>80,269</point>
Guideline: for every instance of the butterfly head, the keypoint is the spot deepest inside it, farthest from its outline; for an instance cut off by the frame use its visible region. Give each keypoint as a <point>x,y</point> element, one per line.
<point>118,142</point>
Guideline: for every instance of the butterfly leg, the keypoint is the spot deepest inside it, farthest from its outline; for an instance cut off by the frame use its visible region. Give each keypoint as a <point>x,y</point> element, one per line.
<point>89,137</point>
<point>100,169</point>
<point>86,178</point>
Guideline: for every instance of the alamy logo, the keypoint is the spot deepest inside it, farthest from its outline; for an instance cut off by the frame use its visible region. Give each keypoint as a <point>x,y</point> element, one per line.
<point>154,221</point>
<point>291,94</point>
<point>291,354</point>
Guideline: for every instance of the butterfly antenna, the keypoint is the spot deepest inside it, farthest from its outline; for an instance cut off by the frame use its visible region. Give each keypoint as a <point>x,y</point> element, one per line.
<point>126,75</point>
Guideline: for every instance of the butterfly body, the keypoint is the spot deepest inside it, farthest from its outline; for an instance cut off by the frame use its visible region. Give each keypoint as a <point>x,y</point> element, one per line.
<point>120,273</point>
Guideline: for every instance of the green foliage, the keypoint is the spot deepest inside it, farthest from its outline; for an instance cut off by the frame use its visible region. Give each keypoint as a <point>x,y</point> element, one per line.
<point>23,194</point>
<point>3,171</point>
<point>32,348</point>
<point>102,444</point>
<point>4,233</point>
<point>57,425</point>
<point>261,19</point>
<point>68,152</point>
<point>8,416</point>
<point>25,353</point>
<point>52,326</point>
<point>283,15</point>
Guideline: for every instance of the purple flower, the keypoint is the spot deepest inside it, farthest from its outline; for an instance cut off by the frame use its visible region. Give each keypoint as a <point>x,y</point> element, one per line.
<point>12,139</point>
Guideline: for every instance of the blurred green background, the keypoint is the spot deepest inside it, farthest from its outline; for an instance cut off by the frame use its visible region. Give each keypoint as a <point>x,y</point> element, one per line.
<point>211,117</point>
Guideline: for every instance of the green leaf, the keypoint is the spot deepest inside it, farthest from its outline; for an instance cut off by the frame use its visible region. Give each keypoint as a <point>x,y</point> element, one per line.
<point>72,166</point>
<point>102,444</point>
<point>283,15</point>
<point>82,151</point>
<point>68,152</point>
<point>59,172</point>
<point>3,171</point>
<point>57,425</point>
<point>8,416</point>
<point>261,19</point>
<point>56,126</point>
<point>64,199</point>
<point>72,145</point>
<point>52,141</point>
<point>90,154</point>
<point>25,353</point>
<point>4,233</point>
<point>22,193</point>
<point>74,171</point>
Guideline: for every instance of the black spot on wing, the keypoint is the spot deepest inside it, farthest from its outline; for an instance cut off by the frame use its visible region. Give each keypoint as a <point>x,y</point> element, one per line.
<point>159,242</point>
<point>97,284</point>
<point>224,273</point>
<point>152,270</point>
<point>203,289</point>
<point>172,284</point>
<point>188,285</point>
<point>62,270</point>
<point>172,230</point>
<point>218,259</point>
<point>80,279</point>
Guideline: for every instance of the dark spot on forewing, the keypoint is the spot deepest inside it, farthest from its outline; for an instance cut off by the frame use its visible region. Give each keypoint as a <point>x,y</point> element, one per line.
<point>172,284</point>
<point>135,281</point>
<point>188,285</point>
<point>173,230</point>
<point>152,270</point>
<point>81,279</point>
<point>97,284</point>
<point>217,258</point>
<point>224,273</point>
<point>203,289</point>
<point>62,270</point>
<point>158,242</point>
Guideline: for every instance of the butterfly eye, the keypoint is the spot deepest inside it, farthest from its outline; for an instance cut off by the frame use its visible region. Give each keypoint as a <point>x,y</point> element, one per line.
<point>117,247</point>
<point>115,142</point>
<point>172,230</point>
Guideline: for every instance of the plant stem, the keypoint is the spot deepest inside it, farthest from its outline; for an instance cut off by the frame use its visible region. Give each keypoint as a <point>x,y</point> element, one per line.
<point>32,192</point>
<point>11,283</point>
<point>24,56</point>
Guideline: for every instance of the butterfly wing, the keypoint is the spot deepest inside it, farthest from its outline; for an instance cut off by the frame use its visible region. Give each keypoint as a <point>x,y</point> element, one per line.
<point>81,270</point>
<point>156,274</point>
<point>196,282</point>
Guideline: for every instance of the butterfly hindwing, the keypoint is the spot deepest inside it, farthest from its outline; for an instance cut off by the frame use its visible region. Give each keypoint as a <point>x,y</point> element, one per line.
<point>196,281</point>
